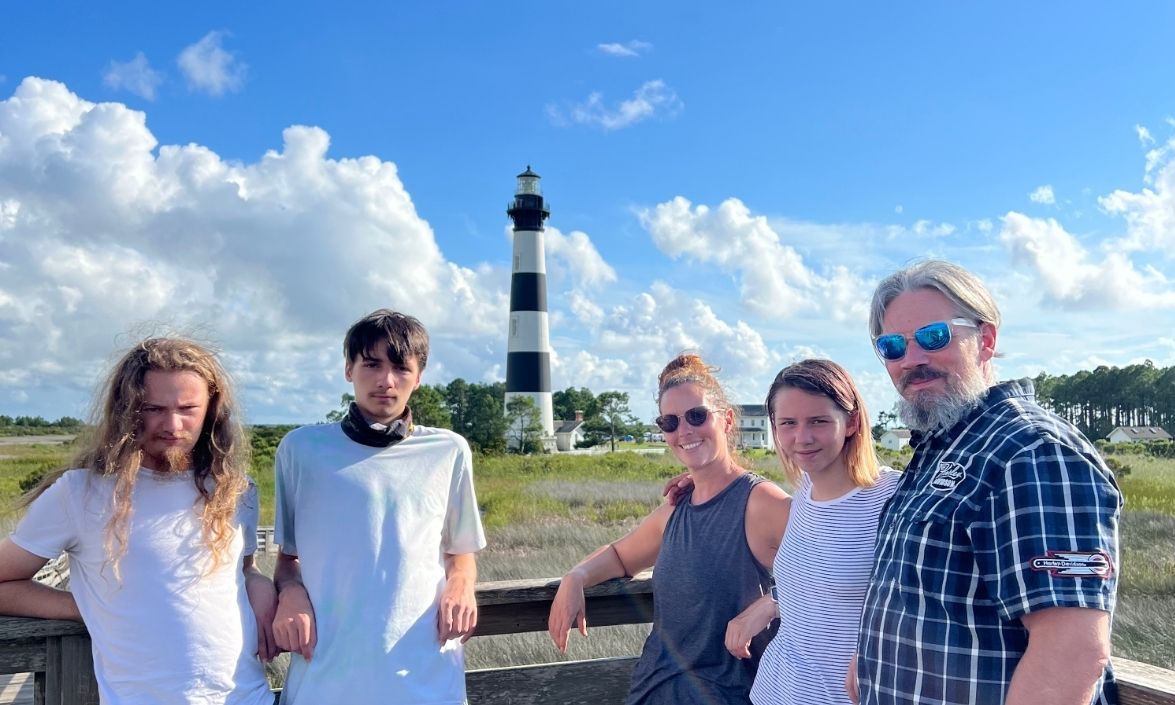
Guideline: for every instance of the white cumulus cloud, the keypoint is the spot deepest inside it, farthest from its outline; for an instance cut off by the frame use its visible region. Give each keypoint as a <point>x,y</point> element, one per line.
<point>1074,278</point>
<point>102,238</point>
<point>653,99</point>
<point>774,277</point>
<point>1043,194</point>
<point>627,49</point>
<point>135,76</point>
<point>1149,212</point>
<point>210,68</point>
<point>576,252</point>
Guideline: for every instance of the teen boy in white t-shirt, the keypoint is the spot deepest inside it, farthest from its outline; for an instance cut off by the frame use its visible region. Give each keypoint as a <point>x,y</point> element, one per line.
<point>378,525</point>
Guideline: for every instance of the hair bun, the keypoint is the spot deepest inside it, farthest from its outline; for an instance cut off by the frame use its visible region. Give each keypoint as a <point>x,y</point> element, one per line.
<point>685,366</point>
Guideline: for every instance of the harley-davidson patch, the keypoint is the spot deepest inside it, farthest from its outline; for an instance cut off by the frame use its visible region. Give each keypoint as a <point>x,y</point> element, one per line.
<point>1074,564</point>
<point>948,476</point>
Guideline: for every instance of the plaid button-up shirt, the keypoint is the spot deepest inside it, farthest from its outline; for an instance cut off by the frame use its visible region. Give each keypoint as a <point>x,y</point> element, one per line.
<point>1009,512</point>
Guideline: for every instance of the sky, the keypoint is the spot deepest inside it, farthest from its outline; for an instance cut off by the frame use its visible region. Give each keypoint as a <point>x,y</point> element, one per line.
<point>728,180</point>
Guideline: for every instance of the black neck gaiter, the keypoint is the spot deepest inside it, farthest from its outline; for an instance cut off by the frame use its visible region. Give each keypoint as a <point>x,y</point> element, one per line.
<point>358,430</point>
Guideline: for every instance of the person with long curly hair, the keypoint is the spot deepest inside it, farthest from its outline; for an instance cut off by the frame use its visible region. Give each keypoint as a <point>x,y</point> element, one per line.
<point>158,519</point>
<point>712,552</point>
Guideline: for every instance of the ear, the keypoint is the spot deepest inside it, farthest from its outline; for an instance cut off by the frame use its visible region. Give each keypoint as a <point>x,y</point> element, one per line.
<point>851,425</point>
<point>987,340</point>
<point>347,370</point>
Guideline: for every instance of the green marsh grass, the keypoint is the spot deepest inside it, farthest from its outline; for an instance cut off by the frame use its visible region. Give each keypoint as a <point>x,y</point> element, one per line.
<point>544,513</point>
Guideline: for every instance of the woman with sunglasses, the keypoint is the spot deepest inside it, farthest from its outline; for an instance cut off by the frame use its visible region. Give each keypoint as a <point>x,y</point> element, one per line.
<point>822,437</point>
<point>712,551</point>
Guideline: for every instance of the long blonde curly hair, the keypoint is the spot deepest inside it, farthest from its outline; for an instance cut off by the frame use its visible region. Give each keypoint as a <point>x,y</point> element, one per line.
<point>112,447</point>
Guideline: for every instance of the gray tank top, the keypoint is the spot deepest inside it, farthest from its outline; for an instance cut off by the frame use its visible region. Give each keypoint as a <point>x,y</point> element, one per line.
<point>705,575</point>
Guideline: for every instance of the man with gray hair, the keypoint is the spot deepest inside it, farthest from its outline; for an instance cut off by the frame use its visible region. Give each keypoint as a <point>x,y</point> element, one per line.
<point>995,571</point>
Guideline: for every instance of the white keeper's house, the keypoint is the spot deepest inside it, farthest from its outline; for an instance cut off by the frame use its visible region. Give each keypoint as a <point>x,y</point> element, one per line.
<point>895,438</point>
<point>754,429</point>
<point>1126,434</point>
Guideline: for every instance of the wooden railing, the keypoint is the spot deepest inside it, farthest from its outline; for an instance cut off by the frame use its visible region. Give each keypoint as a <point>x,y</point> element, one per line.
<point>58,653</point>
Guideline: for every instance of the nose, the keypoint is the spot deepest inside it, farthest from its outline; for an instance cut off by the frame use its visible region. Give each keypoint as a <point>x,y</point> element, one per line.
<point>804,434</point>
<point>915,356</point>
<point>172,423</point>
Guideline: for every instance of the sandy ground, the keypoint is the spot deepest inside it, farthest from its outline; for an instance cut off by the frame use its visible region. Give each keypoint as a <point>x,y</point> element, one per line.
<point>35,440</point>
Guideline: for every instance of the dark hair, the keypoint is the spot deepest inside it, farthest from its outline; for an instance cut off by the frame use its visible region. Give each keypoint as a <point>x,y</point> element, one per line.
<point>828,379</point>
<point>401,335</point>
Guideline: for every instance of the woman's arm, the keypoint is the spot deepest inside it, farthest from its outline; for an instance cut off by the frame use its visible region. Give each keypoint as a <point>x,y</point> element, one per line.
<point>623,558</point>
<point>767,511</point>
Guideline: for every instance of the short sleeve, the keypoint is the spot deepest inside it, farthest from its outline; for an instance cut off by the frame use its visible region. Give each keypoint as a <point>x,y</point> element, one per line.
<point>249,515</point>
<point>286,499</point>
<point>463,532</point>
<point>1048,535</point>
<point>49,527</point>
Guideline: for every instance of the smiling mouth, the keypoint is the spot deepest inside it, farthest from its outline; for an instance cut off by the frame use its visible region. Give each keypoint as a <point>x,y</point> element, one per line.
<point>690,446</point>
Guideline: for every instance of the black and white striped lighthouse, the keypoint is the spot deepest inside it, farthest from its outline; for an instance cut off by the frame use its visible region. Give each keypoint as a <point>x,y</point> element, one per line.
<point>528,352</point>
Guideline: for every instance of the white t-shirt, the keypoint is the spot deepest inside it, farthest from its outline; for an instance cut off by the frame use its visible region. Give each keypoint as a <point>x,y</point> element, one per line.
<point>371,527</point>
<point>821,573</point>
<point>164,633</point>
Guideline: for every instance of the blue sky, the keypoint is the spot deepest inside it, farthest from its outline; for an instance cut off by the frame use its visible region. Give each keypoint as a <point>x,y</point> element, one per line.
<point>728,180</point>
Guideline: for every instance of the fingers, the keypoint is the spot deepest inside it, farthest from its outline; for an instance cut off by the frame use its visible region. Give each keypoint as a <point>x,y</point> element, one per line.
<point>456,620</point>
<point>851,681</point>
<point>266,645</point>
<point>559,627</point>
<point>738,643</point>
<point>296,634</point>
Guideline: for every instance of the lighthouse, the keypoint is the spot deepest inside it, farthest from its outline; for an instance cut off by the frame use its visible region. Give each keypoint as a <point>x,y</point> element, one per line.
<point>528,351</point>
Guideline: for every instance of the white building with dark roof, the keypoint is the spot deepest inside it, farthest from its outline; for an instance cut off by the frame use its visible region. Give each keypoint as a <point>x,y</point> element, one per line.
<point>1126,434</point>
<point>895,438</point>
<point>569,433</point>
<point>754,430</point>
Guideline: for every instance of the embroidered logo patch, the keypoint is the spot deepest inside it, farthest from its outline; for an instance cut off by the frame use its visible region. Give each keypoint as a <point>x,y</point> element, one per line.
<point>948,476</point>
<point>1074,564</point>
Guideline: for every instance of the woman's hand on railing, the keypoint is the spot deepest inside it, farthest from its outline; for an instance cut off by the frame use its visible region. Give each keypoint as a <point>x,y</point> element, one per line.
<point>293,626</point>
<point>567,610</point>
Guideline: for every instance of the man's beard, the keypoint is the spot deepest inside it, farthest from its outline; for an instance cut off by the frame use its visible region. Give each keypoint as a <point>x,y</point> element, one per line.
<point>176,460</point>
<point>929,410</point>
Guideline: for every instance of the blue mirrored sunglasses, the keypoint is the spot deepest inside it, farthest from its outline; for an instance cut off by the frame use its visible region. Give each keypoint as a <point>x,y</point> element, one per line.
<point>931,337</point>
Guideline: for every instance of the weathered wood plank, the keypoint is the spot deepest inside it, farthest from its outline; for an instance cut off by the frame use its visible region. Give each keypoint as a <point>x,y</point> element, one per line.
<point>532,616</point>
<point>595,682</point>
<point>516,606</point>
<point>70,672</point>
<point>512,591</point>
<point>22,628</point>
<point>25,656</point>
<point>1144,684</point>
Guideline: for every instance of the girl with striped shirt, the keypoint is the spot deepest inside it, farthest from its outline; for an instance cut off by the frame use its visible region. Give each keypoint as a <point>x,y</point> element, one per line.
<point>822,436</point>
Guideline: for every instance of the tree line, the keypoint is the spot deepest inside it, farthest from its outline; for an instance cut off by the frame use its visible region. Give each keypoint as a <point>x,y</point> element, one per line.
<point>478,412</point>
<point>1097,402</point>
<point>16,425</point>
